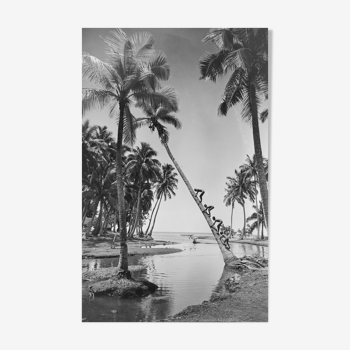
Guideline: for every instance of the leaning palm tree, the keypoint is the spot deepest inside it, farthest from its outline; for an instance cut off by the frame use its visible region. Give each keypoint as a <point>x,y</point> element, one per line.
<point>156,114</point>
<point>141,167</point>
<point>131,75</point>
<point>165,188</point>
<point>244,53</point>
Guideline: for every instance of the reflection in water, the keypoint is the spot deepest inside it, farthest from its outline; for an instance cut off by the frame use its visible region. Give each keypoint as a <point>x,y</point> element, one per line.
<point>226,273</point>
<point>185,278</point>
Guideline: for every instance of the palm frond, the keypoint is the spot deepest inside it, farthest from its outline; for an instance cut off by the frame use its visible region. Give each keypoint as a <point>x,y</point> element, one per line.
<point>247,106</point>
<point>93,98</point>
<point>170,119</point>
<point>117,40</point>
<point>167,97</point>
<point>163,134</point>
<point>264,115</point>
<point>142,43</point>
<point>261,40</point>
<point>233,90</point>
<point>100,72</point>
<point>223,38</point>
<point>159,65</point>
<point>129,130</point>
<point>211,65</point>
<point>239,58</point>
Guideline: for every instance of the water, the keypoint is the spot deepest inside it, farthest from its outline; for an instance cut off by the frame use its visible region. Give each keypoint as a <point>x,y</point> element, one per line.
<point>185,278</point>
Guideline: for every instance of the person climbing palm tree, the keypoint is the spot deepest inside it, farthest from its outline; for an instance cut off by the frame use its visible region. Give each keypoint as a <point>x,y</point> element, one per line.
<point>208,209</point>
<point>157,114</point>
<point>200,196</point>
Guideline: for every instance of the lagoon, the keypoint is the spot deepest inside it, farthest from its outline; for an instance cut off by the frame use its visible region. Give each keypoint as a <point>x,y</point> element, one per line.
<point>185,278</point>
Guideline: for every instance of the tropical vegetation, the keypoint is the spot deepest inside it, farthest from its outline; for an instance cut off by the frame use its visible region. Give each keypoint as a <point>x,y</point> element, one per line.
<point>242,53</point>
<point>131,75</point>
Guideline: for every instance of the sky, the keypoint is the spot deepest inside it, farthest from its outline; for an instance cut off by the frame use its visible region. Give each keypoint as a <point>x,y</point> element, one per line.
<point>208,148</point>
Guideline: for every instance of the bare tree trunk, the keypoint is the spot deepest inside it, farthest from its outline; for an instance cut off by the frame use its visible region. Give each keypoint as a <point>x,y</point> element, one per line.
<point>123,259</point>
<point>92,220</point>
<point>115,221</point>
<point>97,229</point>
<point>155,216</point>
<point>228,256</point>
<point>150,220</point>
<point>137,210</point>
<point>257,213</point>
<point>85,213</point>
<point>106,219</point>
<point>231,218</point>
<point>258,152</point>
<point>243,235</point>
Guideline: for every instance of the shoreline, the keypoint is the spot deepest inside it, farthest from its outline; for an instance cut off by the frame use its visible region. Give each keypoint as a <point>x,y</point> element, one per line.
<point>247,241</point>
<point>249,303</point>
<point>100,247</point>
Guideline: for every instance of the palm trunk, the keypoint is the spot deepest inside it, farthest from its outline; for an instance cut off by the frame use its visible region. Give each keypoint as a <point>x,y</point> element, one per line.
<point>132,219</point>
<point>155,216</point>
<point>106,220</point>
<point>137,210</point>
<point>92,220</point>
<point>97,229</point>
<point>243,236</point>
<point>257,212</point>
<point>231,218</point>
<point>102,224</point>
<point>123,259</point>
<point>228,256</point>
<point>150,220</point>
<point>85,209</point>
<point>115,221</point>
<point>258,152</point>
<point>85,213</point>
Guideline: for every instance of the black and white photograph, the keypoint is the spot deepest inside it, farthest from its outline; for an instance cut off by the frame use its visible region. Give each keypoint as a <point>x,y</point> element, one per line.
<point>175,175</point>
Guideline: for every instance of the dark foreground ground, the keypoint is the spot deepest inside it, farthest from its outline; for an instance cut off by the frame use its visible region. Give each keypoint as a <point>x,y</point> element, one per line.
<point>248,304</point>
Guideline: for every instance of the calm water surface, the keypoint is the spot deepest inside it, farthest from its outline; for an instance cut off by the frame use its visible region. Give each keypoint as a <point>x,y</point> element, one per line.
<point>185,278</point>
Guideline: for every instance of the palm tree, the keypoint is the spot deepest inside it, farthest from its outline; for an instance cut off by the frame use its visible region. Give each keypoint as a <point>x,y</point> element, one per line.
<point>231,196</point>
<point>244,52</point>
<point>165,187</point>
<point>250,169</point>
<point>258,216</point>
<point>142,167</point>
<point>147,197</point>
<point>96,159</point>
<point>132,74</point>
<point>243,187</point>
<point>156,115</point>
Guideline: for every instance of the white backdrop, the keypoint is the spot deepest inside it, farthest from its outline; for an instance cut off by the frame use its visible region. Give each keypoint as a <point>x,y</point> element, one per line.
<point>309,168</point>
